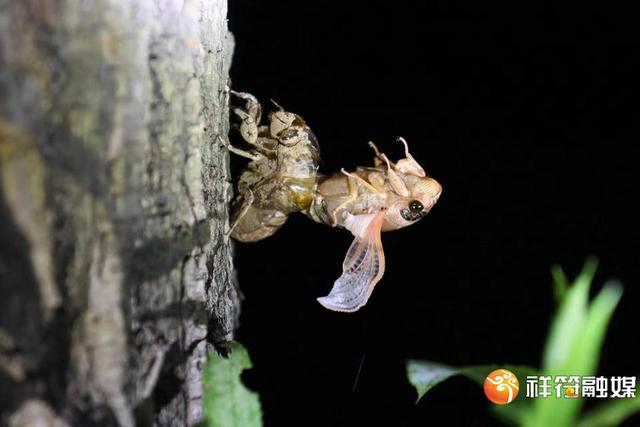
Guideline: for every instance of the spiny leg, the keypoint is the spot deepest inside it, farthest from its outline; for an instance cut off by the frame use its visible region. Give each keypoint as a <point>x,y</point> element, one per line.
<point>253,107</point>
<point>255,157</point>
<point>249,116</point>
<point>250,129</point>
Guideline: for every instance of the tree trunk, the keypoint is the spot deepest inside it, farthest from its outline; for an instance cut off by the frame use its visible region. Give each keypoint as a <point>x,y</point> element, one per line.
<point>115,276</point>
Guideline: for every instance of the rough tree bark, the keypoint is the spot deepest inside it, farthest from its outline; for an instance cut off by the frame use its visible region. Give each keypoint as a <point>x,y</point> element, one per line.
<point>115,279</point>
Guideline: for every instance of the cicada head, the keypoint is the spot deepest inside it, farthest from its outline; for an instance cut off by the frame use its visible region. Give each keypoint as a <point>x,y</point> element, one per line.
<point>280,120</point>
<point>424,193</point>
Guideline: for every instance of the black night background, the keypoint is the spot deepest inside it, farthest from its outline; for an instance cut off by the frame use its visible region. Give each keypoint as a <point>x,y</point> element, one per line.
<point>527,116</point>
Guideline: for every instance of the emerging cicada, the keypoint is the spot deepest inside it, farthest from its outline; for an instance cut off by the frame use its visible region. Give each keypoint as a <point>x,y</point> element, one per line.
<point>368,201</point>
<point>282,178</point>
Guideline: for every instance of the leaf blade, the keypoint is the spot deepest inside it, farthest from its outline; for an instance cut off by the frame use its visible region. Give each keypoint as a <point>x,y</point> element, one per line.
<point>227,402</point>
<point>424,375</point>
<point>581,359</point>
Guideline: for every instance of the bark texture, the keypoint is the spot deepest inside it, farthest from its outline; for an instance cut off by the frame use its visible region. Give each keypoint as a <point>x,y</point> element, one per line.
<point>115,278</point>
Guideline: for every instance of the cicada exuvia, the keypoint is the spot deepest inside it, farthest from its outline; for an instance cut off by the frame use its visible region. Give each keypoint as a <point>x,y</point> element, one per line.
<point>281,176</point>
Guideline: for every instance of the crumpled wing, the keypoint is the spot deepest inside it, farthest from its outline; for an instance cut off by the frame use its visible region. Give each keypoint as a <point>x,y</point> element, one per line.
<point>362,268</point>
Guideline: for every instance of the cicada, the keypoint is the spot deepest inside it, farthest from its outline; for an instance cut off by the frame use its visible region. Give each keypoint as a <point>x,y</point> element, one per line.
<point>368,201</point>
<point>282,177</point>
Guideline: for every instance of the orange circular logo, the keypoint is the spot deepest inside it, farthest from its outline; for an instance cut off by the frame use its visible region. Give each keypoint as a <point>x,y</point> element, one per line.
<point>501,386</point>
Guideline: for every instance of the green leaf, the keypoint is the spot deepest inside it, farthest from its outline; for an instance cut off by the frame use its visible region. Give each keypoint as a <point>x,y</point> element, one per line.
<point>574,344</point>
<point>424,375</point>
<point>573,347</point>
<point>560,283</point>
<point>586,354</point>
<point>611,413</point>
<point>568,320</point>
<point>227,402</point>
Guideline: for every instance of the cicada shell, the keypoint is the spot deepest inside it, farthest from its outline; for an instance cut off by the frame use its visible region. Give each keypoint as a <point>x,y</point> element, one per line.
<point>281,176</point>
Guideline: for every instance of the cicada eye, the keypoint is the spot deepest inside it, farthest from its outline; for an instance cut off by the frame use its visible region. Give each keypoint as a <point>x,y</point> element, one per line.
<point>413,212</point>
<point>415,206</point>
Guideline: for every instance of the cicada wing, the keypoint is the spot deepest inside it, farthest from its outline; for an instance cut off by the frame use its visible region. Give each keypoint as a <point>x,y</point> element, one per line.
<point>363,267</point>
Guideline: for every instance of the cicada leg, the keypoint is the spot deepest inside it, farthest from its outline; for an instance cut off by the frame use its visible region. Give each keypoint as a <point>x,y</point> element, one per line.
<point>409,165</point>
<point>377,159</point>
<point>396,182</point>
<point>252,156</point>
<point>376,179</point>
<point>250,129</point>
<point>353,195</point>
<point>254,109</point>
<point>360,180</point>
<point>250,116</point>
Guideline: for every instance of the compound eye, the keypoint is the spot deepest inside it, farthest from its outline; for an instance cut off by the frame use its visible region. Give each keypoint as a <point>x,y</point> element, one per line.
<point>414,211</point>
<point>415,206</point>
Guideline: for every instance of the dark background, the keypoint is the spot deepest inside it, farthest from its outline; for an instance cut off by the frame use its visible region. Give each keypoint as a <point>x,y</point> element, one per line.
<point>528,118</point>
